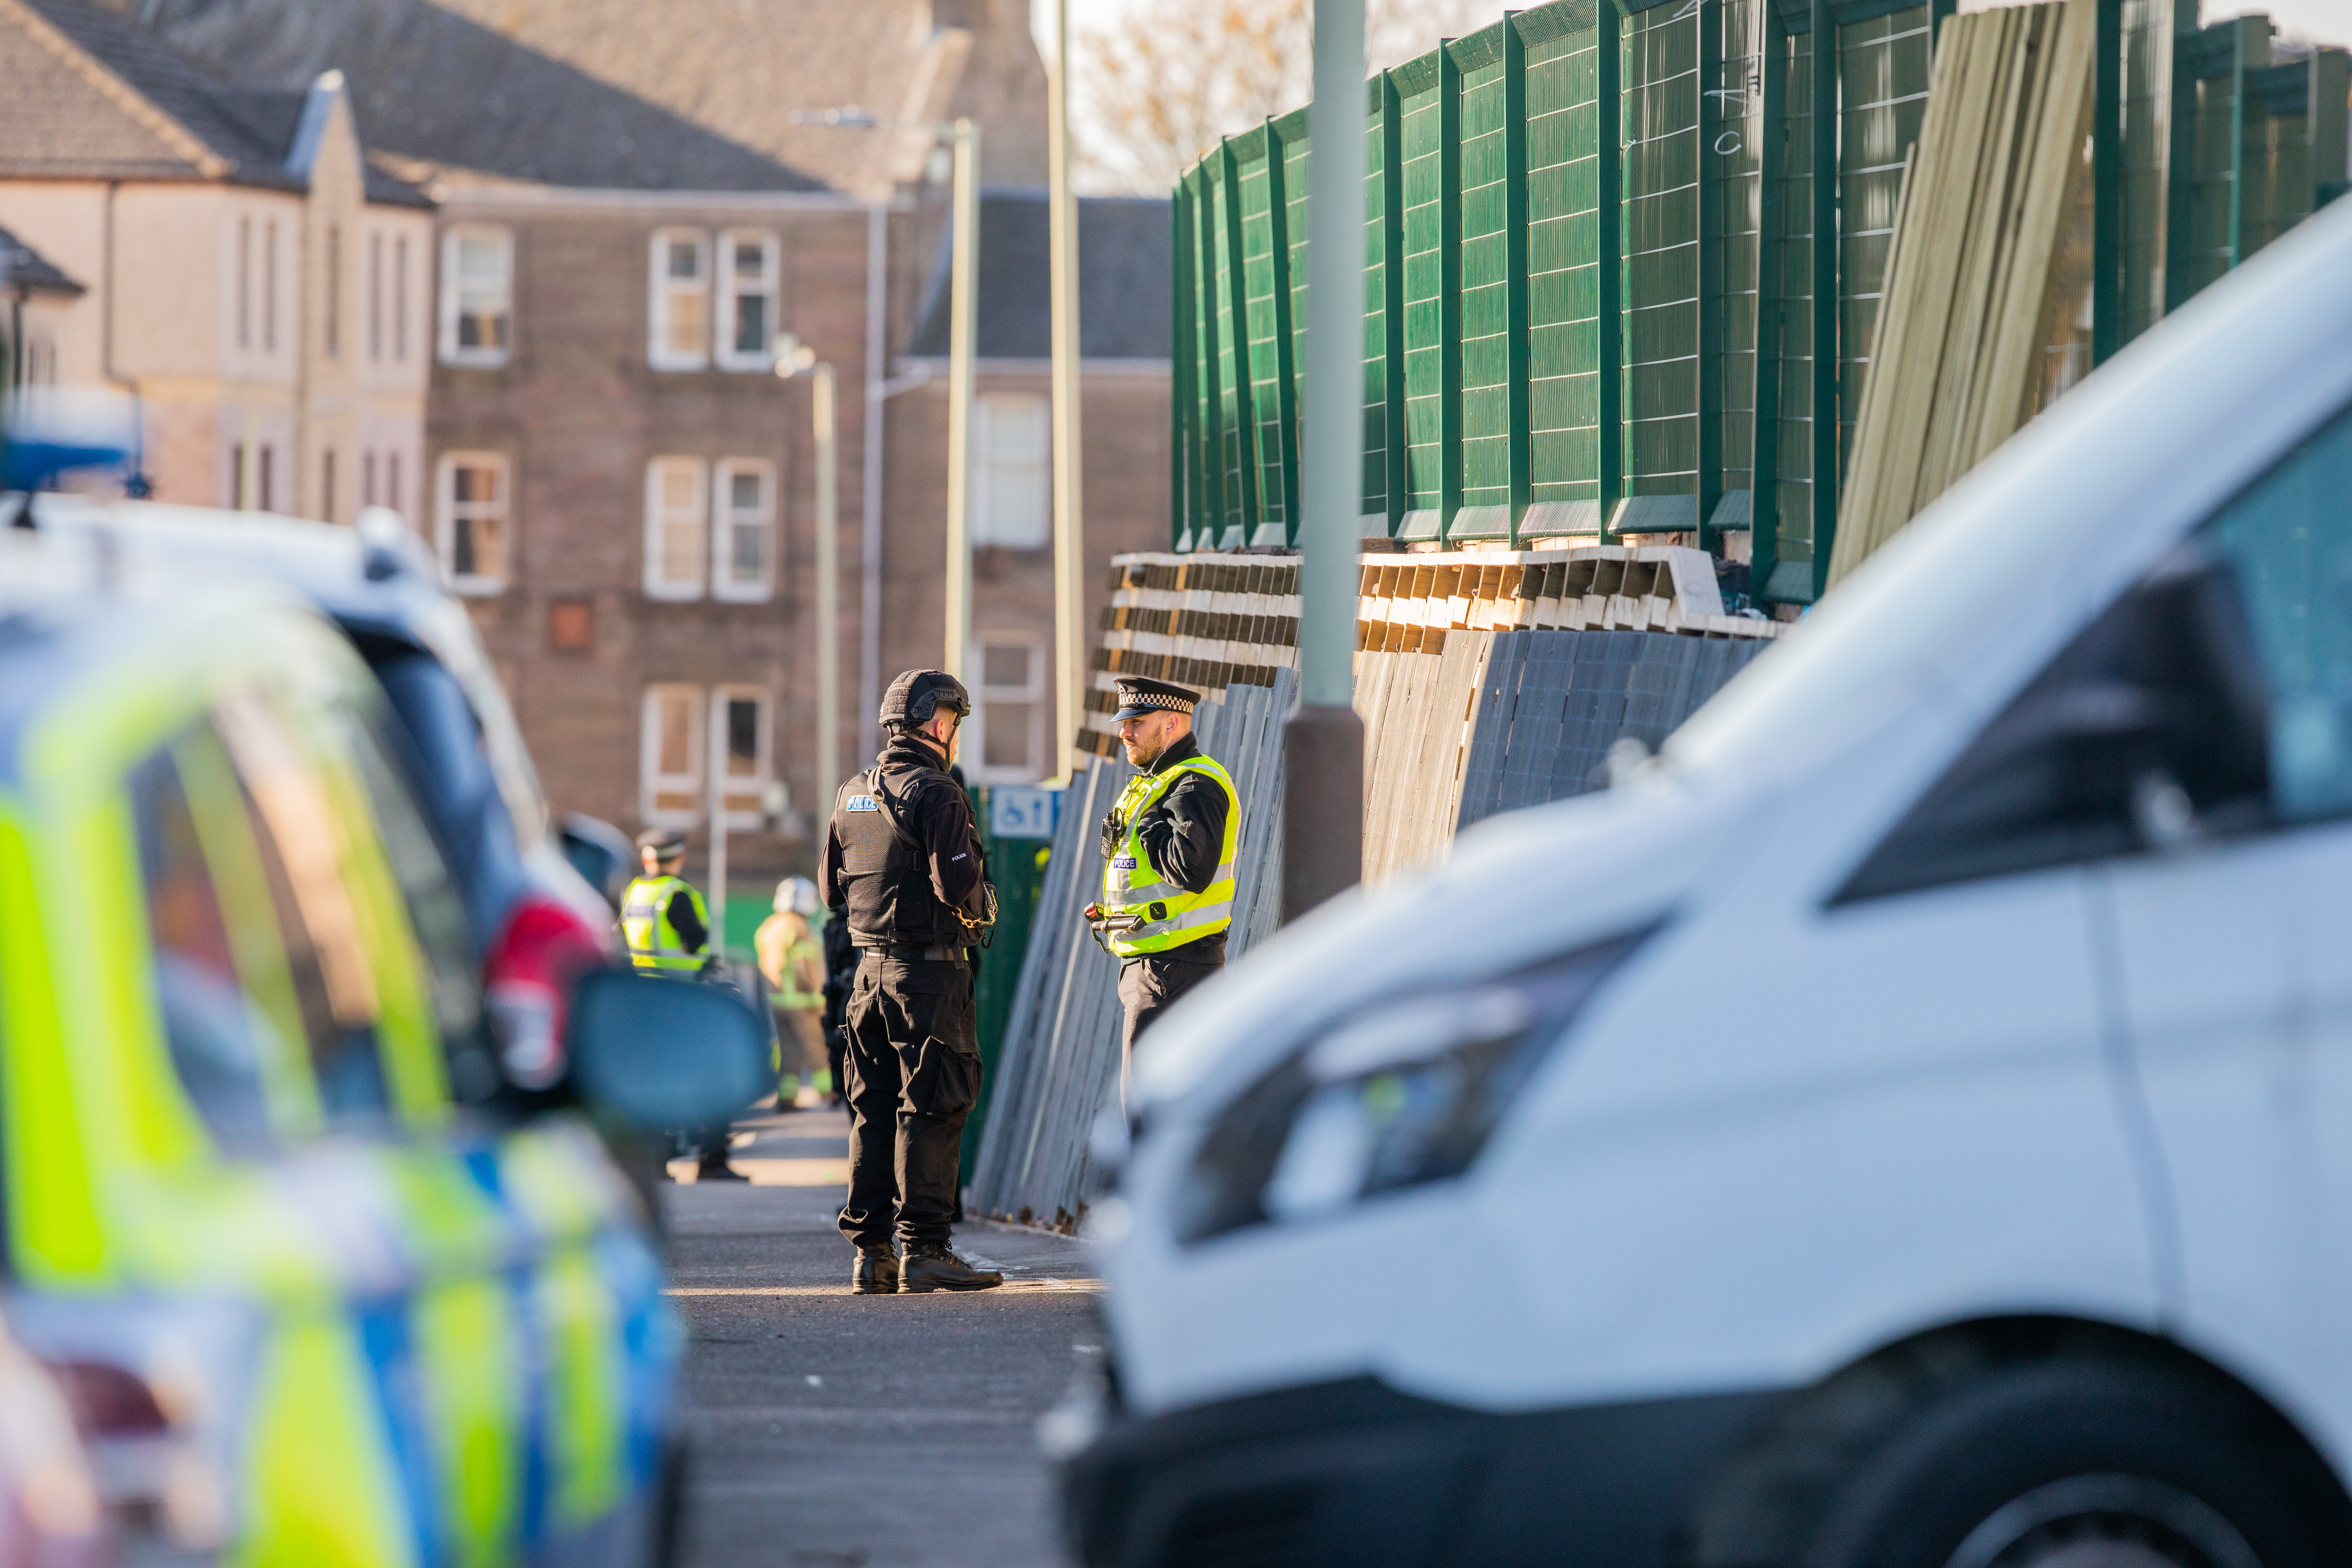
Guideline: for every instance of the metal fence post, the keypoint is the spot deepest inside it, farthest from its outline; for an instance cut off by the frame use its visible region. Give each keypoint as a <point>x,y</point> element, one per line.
<point>1771,124</point>
<point>1184,416</point>
<point>1609,114</point>
<point>1397,452</point>
<point>1278,217</point>
<point>1825,311</point>
<point>2108,184</point>
<point>1252,459</point>
<point>1515,264</point>
<point>1707,190</point>
<point>1449,290</point>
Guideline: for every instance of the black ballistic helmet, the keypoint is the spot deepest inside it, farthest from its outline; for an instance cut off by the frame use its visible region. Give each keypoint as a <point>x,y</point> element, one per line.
<point>917,694</point>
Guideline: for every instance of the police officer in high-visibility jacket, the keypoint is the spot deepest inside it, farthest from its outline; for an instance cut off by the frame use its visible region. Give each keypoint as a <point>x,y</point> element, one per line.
<point>1168,856</point>
<point>667,928</point>
<point>663,919</point>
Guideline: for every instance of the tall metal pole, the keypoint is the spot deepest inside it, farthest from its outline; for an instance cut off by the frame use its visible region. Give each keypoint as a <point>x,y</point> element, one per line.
<point>828,592</point>
<point>1069,514</point>
<point>963,337</point>
<point>715,814</point>
<point>1323,743</point>
<point>869,441</point>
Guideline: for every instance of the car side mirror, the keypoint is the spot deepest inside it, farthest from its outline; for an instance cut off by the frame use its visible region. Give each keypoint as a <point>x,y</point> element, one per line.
<point>600,852</point>
<point>661,1054</point>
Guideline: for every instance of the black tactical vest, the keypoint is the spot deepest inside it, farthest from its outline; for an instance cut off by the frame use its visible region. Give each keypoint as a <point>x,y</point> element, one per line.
<point>885,879</point>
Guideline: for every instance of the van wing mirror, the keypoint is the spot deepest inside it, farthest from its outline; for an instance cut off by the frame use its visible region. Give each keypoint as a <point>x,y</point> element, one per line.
<point>661,1054</point>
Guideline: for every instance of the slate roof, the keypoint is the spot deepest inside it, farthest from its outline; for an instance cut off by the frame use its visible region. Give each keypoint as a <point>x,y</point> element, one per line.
<point>1124,278</point>
<point>29,268</point>
<point>623,94</point>
<point>63,112</point>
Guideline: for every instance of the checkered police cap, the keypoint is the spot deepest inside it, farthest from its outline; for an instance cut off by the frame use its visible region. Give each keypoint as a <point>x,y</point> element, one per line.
<point>1140,696</point>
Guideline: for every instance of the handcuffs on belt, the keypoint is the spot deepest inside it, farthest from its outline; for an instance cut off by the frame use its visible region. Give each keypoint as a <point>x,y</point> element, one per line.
<point>980,931</point>
<point>1105,925</point>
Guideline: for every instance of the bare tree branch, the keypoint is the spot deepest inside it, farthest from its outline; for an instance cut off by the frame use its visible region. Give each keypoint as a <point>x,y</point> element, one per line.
<point>1162,81</point>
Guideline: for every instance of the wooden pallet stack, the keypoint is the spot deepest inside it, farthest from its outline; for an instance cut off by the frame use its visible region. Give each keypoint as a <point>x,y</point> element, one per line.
<point>1208,621</point>
<point>1988,193</point>
<point>1410,602</point>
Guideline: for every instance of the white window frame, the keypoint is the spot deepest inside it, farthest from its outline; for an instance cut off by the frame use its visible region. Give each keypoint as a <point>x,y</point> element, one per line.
<point>400,299</point>
<point>731,293</point>
<point>662,291</point>
<point>660,517</point>
<point>725,583</point>
<point>653,783</point>
<point>452,295</point>
<point>376,296</point>
<point>446,519</point>
<point>986,528</point>
<point>742,801</point>
<point>975,758</point>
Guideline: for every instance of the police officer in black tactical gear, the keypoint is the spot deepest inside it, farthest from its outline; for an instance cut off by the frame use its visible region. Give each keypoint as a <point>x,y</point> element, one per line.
<point>903,867</point>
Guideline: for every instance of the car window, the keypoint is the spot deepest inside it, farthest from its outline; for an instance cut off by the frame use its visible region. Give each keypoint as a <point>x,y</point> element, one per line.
<point>430,895</point>
<point>302,844</point>
<point>440,750</point>
<point>219,1035</point>
<point>2213,699</point>
<point>2289,538</point>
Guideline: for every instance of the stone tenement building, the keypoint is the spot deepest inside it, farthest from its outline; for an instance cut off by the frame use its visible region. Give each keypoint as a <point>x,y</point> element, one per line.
<point>243,270</point>
<point>631,201</point>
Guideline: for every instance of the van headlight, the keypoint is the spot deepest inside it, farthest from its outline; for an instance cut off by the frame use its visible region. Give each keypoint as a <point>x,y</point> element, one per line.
<point>1402,1089</point>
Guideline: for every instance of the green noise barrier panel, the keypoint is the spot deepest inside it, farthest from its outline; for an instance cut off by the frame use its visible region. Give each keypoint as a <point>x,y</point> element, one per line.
<point>1623,259</point>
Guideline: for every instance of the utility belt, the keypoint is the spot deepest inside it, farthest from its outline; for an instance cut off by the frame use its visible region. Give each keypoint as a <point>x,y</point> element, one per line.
<point>910,953</point>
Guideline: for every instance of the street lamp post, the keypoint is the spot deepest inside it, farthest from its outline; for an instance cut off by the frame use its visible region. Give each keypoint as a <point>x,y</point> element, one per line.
<point>963,330</point>
<point>1069,514</point>
<point>793,357</point>
<point>963,318</point>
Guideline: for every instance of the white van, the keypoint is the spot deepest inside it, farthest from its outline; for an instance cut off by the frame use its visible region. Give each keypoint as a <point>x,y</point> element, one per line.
<point>1908,1125</point>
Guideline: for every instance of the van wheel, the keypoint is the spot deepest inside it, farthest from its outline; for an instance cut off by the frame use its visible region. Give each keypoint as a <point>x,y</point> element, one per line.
<point>1960,1455</point>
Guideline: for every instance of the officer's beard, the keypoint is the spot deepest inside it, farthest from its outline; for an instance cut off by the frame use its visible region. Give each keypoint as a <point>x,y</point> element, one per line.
<point>1142,753</point>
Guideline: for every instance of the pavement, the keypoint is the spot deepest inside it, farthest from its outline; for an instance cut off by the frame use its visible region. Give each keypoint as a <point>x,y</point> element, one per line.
<point>840,1431</point>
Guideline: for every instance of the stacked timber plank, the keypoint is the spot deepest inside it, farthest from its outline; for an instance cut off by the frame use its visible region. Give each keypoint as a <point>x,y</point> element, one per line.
<point>1209,621</point>
<point>1988,194</point>
<point>1410,602</point>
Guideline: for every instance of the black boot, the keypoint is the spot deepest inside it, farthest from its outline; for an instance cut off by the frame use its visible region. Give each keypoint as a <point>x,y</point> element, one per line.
<point>936,1269</point>
<point>877,1273</point>
<point>718,1170</point>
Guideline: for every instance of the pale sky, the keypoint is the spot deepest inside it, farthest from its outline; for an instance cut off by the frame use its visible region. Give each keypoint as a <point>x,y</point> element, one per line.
<point>2309,21</point>
<point>2314,21</point>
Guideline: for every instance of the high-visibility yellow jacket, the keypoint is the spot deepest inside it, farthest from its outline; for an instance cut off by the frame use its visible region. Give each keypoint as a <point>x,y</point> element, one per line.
<point>1169,915</point>
<point>654,942</point>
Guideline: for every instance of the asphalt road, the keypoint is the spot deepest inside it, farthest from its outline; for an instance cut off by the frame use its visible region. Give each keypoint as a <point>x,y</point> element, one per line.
<point>840,1431</point>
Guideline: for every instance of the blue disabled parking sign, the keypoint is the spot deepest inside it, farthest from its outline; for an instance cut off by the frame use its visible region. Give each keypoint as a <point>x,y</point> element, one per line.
<point>1023,811</point>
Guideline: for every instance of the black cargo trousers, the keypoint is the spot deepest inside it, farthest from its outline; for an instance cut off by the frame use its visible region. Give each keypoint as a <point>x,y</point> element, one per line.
<point>914,1076</point>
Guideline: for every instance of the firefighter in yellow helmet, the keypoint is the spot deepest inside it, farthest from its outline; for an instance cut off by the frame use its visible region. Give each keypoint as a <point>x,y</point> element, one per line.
<point>793,958</point>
